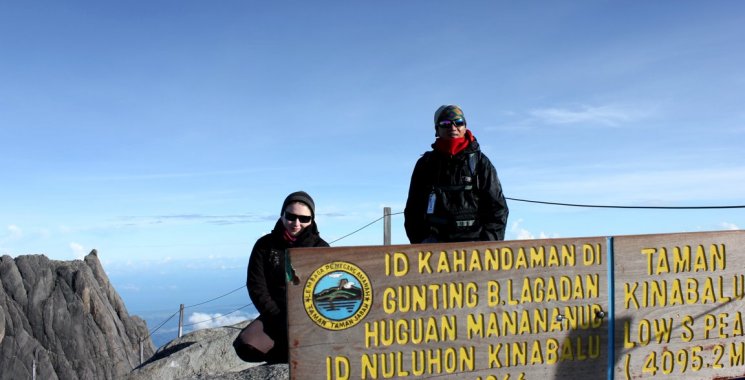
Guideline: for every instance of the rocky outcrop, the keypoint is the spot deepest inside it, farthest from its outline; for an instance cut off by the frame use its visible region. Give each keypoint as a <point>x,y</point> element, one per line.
<point>262,372</point>
<point>206,355</point>
<point>65,319</point>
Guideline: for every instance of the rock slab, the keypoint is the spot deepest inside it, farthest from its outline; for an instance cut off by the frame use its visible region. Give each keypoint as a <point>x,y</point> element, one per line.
<point>64,320</point>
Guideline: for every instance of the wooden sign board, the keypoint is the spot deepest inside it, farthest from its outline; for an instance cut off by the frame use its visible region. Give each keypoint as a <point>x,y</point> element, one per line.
<point>679,306</point>
<point>530,309</point>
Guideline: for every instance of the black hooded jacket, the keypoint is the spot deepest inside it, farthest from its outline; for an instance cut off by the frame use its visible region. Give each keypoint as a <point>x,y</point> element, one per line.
<point>266,280</point>
<point>468,201</point>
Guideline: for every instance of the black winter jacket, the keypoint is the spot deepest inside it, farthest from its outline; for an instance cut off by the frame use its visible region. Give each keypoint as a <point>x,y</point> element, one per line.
<point>266,280</point>
<point>469,204</point>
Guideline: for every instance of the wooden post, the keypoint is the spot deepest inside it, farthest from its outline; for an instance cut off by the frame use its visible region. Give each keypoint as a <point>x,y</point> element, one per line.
<point>386,226</point>
<point>181,321</point>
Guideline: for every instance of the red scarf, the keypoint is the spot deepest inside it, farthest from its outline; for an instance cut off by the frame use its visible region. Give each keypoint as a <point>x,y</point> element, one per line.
<point>288,237</point>
<point>453,146</point>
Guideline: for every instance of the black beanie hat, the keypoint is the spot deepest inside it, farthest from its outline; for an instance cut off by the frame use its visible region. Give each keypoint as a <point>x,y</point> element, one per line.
<point>300,196</point>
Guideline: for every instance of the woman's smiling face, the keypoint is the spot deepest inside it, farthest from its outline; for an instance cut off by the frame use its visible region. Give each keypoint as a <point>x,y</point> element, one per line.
<point>295,216</point>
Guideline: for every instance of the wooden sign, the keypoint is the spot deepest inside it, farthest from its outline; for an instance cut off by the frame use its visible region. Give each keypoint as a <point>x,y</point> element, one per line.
<point>679,304</point>
<point>530,309</point>
<point>534,309</point>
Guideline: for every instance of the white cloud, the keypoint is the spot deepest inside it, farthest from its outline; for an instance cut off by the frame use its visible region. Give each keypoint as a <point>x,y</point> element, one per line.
<point>130,287</point>
<point>606,115</point>
<point>639,187</point>
<point>78,250</point>
<point>160,176</point>
<point>207,321</point>
<point>520,233</point>
<point>44,233</point>
<point>523,234</point>
<point>729,226</point>
<point>15,232</point>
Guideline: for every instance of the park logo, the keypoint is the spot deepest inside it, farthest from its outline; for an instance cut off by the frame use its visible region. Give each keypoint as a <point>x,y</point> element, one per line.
<point>337,295</point>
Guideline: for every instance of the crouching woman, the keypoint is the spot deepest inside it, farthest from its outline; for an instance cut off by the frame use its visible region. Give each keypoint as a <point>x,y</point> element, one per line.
<point>265,339</point>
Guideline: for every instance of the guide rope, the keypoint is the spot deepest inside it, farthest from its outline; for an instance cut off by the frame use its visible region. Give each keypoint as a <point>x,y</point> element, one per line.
<point>401,212</point>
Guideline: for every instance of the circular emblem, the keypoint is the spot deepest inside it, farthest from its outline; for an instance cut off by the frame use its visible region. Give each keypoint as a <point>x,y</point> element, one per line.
<point>337,295</point>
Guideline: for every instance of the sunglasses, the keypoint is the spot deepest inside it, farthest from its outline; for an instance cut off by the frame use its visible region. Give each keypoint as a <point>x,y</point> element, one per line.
<point>301,218</point>
<point>448,123</point>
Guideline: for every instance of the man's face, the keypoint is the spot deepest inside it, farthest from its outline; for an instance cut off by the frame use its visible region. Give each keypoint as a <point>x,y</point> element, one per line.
<point>451,129</point>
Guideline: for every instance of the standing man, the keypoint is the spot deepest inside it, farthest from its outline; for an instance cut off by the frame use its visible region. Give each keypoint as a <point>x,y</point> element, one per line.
<point>455,194</point>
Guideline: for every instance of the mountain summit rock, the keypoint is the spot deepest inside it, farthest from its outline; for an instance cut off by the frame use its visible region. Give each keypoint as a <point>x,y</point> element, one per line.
<point>64,320</point>
<point>206,354</point>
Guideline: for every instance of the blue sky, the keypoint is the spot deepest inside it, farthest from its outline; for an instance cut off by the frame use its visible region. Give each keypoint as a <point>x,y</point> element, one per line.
<point>165,134</point>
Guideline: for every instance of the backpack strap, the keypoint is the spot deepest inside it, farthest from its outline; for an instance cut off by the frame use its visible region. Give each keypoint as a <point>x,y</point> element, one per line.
<point>472,159</point>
